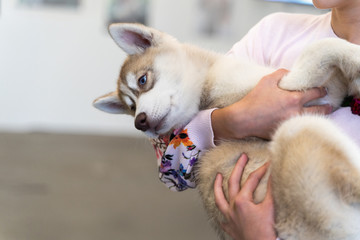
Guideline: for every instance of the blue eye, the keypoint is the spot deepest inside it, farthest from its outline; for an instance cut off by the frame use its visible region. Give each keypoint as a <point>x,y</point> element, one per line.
<point>142,80</point>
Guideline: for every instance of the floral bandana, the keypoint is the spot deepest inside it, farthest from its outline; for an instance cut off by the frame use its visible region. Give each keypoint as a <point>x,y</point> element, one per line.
<point>176,171</point>
<point>178,153</point>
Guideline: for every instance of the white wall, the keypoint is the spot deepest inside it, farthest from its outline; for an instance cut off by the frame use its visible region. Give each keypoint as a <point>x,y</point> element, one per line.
<point>54,62</point>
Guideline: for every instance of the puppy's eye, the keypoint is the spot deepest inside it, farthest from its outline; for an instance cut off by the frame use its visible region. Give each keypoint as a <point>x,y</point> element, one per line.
<point>142,80</point>
<point>133,108</point>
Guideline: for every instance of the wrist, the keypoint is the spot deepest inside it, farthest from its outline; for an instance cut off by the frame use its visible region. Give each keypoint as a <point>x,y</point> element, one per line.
<point>219,124</point>
<point>229,123</point>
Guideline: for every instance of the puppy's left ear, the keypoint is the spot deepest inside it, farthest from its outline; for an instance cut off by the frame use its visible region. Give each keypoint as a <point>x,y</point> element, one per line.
<point>110,103</point>
<point>131,37</point>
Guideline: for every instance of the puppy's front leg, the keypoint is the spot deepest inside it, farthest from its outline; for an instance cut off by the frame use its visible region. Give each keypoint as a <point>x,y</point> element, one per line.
<point>330,63</point>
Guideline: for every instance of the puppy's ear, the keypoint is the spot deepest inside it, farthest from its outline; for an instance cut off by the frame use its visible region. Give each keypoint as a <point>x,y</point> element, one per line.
<point>132,38</point>
<point>110,103</point>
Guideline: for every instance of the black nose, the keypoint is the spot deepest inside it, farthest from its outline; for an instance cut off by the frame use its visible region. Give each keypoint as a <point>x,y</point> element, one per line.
<point>141,122</point>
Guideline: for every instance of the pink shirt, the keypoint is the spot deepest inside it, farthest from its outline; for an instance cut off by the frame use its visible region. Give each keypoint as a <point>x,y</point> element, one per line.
<point>276,41</point>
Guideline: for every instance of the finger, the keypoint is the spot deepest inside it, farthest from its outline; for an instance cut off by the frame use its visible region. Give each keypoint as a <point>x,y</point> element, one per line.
<point>235,177</point>
<point>312,94</point>
<point>227,229</point>
<point>321,109</point>
<point>220,199</point>
<point>253,181</point>
<point>279,73</point>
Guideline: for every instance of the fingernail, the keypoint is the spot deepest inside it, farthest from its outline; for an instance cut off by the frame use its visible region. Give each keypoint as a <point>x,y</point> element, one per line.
<point>243,156</point>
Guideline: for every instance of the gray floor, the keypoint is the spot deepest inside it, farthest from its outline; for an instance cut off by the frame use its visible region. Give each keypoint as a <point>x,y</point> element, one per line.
<point>71,187</point>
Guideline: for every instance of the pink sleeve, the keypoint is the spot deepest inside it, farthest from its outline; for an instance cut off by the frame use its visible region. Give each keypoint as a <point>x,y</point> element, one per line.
<point>178,153</point>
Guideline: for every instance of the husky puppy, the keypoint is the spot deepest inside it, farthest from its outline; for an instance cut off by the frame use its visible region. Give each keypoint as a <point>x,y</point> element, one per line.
<point>315,168</point>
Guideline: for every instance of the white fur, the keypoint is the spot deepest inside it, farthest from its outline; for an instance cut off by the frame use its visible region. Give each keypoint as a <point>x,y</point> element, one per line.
<point>126,91</point>
<point>315,168</point>
<point>327,130</point>
<point>132,81</point>
<point>128,101</point>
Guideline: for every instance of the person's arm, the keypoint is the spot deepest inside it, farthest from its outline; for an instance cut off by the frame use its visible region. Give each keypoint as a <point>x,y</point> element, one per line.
<point>245,220</point>
<point>259,112</point>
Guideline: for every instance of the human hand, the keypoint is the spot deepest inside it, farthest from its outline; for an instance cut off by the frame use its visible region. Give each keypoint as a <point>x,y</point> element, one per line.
<point>245,219</point>
<point>259,112</point>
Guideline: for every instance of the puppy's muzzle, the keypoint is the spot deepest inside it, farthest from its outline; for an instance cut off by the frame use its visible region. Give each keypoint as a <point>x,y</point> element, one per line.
<point>141,122</point>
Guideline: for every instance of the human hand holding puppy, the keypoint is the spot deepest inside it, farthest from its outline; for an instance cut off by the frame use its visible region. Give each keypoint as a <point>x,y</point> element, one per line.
<point>245,220</point>
<point>259,112</point>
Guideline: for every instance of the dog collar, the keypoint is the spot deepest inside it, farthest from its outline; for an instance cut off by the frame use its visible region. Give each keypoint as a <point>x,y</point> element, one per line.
<point>355,106</point>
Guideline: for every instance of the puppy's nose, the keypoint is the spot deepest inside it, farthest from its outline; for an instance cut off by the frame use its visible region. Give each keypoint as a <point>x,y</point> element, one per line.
<point>141,122</point>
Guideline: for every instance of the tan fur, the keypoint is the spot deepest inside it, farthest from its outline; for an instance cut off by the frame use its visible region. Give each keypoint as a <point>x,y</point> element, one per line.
<point>326,202</point>
<point>316,187</point>
<point>315,168</point>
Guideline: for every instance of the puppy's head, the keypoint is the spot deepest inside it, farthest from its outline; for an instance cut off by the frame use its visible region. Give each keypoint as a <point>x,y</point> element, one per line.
<point>151,84</point>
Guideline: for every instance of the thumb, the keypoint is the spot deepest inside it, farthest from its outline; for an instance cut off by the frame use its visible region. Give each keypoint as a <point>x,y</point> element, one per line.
<point>275,77</point>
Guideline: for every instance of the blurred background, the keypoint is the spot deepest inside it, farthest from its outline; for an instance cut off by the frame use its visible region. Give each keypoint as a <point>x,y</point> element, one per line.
<point>67,170</point>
